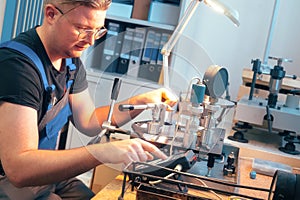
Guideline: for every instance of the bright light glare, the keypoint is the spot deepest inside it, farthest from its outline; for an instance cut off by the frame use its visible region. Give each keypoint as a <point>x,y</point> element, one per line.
<point>215,5</point>
<point>233,15</point>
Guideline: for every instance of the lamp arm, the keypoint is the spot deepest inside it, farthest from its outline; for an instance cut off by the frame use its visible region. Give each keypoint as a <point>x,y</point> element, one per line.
<point>270,34</point>
<point>167,48</point>
<point>169,45</point>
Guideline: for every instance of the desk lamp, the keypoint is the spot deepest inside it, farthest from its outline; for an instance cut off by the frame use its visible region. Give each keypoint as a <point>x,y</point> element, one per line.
<point>167,48</point>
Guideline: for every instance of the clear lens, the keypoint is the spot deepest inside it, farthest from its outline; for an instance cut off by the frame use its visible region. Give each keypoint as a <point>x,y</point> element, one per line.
<point>97,34</point>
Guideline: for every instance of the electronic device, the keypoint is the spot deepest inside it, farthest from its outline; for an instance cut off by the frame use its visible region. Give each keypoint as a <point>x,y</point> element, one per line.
<point>181,161</point>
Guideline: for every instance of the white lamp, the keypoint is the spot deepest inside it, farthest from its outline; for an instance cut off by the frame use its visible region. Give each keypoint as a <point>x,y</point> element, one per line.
<point>167,48</point>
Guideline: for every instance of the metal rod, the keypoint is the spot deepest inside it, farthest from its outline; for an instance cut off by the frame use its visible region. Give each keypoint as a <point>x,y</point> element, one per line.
<point>167,48</point>
<point>270,34</point>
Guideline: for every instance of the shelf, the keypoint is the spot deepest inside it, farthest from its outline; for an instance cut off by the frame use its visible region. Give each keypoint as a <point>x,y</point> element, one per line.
<point>141,22</point>
<point>93,75</point>
<point>131,49</point>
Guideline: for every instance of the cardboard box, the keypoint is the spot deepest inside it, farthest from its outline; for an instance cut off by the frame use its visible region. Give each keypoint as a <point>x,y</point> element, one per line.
<point>103,175</point>
<point>164,13</point>
<point>141,9</point>
<point>120,10</point>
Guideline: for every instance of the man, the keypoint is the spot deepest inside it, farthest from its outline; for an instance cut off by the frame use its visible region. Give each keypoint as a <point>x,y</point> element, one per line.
<point>32,169</point>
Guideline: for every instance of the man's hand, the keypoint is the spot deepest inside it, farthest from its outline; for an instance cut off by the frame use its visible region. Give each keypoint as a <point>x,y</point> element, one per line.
<point>157,96</point>
<point>125,152</point>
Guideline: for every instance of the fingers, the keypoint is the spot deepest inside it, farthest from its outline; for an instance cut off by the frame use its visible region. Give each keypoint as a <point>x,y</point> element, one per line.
<point>139,155</point>
<point>149,155</point>
<point>141,151</point>
<point>150,148</point>
<point>169,97</point>
<point>124,152</point>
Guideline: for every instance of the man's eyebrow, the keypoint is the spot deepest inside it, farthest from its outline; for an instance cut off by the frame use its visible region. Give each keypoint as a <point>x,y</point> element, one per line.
<point>85,26</point>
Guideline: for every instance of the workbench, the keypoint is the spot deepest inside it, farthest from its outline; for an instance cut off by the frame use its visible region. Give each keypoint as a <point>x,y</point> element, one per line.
<point>113,189</point>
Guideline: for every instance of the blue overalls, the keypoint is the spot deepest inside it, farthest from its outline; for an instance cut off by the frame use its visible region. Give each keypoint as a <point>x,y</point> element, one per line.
<point>57,115</point>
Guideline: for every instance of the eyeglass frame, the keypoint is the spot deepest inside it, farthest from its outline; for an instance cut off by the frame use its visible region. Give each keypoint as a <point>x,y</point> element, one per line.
<point>97,34</point>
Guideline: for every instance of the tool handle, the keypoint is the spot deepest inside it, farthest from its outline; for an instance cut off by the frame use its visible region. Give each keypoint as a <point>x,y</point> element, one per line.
<point>125,107</point>
<point>116,89</point>
<point>269,119</point>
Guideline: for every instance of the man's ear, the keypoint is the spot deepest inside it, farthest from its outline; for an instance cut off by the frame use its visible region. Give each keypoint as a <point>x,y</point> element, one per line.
<point>50,12</point>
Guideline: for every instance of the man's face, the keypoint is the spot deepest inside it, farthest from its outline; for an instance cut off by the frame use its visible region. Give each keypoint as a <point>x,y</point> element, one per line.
<point>77,28</point>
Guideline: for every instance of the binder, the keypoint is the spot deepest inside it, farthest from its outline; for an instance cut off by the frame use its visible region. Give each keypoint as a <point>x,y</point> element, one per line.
<point>150,70</point>
<point>163,40</point>
<point>155,68</point>
<point>125,51</point>
<point>136,53</point>
<point>156,49</point>
<point>148,47</point>
<point>112,47</point>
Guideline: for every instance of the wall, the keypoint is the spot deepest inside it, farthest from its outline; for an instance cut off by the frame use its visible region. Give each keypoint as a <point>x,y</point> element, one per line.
<point>2,7</point>
<point>234,48</point>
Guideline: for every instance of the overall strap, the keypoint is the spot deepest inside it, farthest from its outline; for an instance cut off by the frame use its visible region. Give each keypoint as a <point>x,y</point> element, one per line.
<point>52,110</point>
<point>27,51</point>
<point>71,72</point>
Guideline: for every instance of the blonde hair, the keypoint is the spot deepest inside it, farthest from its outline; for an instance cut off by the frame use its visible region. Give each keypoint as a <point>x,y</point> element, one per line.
<point>97,4</point>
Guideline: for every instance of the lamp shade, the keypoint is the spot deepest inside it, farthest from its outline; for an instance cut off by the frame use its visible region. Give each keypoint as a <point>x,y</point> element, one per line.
<point>232,14</point>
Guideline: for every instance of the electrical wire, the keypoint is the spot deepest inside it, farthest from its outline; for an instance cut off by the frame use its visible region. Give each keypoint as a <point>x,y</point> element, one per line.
<point>213,192</point>
<point>177,168</point>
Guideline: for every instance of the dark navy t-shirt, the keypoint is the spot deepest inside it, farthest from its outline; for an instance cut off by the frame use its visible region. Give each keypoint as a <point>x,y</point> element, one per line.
<point>20,81</point>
